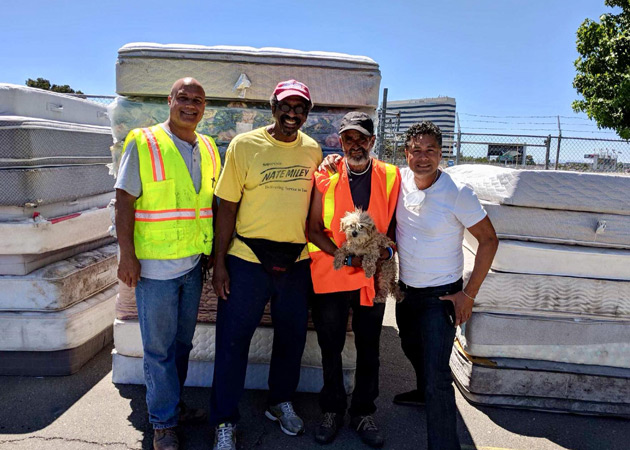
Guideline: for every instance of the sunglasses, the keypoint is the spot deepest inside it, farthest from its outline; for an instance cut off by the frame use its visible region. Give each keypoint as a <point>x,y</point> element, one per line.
<point>285,108</point>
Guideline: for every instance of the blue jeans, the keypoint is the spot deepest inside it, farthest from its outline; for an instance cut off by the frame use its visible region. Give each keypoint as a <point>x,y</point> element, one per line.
<point>427,339</point>
<point>167,312</point>
<point>251,287</point>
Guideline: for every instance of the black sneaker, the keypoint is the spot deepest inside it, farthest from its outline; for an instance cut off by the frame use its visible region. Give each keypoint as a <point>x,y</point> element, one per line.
<point>327,430</point>
<point>411,398</point>
<point>368,431</point>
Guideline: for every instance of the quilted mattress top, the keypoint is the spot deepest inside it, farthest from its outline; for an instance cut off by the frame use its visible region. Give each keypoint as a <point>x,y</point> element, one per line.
<point>550,189</point>
<point>26,101</point>
<point>242,53</point>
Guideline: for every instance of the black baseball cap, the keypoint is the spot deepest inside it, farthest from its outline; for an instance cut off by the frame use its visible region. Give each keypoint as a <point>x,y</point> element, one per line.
<point>359,121</point>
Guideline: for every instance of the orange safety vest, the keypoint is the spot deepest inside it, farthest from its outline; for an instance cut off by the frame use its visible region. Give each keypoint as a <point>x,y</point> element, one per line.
<point>336,201</point>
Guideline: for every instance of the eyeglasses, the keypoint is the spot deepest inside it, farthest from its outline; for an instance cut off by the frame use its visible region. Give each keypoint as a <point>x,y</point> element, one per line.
<point>285,108</point>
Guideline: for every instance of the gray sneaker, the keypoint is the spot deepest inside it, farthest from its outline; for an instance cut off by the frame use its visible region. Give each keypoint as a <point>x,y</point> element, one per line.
<point>284,414</point>
<point>224,438</point>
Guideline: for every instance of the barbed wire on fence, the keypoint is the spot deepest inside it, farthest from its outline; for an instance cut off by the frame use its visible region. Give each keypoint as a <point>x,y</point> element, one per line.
<point>549,150</point>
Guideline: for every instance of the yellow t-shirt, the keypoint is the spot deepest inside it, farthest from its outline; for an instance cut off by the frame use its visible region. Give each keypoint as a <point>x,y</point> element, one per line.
<point>272,180</point>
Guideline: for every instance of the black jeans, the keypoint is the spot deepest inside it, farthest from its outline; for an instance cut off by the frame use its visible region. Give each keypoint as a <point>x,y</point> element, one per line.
<point>330,317</point>
<point>251,287</point>
<point>427,336</point>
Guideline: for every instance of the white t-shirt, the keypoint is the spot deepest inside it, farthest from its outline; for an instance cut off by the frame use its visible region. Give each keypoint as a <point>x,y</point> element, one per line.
<point>430,241</point>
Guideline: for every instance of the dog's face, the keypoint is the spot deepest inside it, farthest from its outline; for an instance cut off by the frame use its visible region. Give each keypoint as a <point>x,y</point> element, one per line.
<point>358,226</point>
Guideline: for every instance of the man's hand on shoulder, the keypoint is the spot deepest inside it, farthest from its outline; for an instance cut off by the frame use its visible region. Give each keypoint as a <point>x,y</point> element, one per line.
<point>463,306</point>
<point>330,163</point>
<point>129,269</point>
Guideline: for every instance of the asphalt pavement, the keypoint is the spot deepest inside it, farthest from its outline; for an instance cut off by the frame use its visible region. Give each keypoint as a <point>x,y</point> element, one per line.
<point>87,411</point>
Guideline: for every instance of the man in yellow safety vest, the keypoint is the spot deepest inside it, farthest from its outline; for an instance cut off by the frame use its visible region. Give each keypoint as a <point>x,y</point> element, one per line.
<point>164,216</point>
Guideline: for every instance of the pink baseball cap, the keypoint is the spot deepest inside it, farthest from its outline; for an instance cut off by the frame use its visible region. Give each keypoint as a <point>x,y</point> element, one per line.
<point>288,88</point>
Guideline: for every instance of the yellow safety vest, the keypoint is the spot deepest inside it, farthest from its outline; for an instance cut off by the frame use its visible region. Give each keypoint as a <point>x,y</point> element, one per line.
<point>171,220</point>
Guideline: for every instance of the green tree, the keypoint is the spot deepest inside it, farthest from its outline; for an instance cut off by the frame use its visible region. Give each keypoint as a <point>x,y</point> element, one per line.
<point>43,83</point>
<point>603,69</point>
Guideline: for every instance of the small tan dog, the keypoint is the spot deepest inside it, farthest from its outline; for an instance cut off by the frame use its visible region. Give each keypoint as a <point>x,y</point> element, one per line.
<point>363,239</point>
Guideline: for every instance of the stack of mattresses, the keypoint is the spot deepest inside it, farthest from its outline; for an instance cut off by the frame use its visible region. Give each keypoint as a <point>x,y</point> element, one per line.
<point>127,358</point>
<point>57,263</point>
<point>551,324</point>
<point>238,82</point>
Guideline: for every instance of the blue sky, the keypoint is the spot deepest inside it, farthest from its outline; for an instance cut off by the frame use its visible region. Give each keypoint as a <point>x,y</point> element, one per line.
<point>496,57</point>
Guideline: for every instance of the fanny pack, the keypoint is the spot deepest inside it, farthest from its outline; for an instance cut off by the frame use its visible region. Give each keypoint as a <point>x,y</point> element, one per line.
<point>275,257</point>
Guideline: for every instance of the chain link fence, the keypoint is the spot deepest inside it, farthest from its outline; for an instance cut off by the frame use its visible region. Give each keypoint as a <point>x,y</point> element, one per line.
<point>512,150</point>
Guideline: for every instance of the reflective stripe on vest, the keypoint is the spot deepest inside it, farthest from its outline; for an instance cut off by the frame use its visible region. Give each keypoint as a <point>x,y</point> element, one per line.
<point>328,210</point>
<point>172,214</point>
<point>211,150</point>
<point>156,155</point>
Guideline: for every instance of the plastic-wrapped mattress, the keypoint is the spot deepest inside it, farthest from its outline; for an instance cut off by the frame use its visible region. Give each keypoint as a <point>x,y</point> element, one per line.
<point>28,142</point>
<point>25,101</point>
<point>556,226</point>
<point>45,185</point>
<point>222,120</point>
<point>128,368</point>
<point>129,343</point>
<point>556,259</point>
<point>62,284</point>
<point>549,189</point>
<point>58,330</point>
<point>40,235</point>
<point>550,295</point>
<point>574,340</point>
<point>334,79</point>
<point>481,381</point>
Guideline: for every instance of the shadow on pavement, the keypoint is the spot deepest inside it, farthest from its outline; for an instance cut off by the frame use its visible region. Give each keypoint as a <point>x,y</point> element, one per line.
<point>566,430</point>
<point>404,427</point>
<point>47,397</point>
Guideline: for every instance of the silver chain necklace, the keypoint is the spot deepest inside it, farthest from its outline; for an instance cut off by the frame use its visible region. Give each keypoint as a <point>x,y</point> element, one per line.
<point>357,174</point>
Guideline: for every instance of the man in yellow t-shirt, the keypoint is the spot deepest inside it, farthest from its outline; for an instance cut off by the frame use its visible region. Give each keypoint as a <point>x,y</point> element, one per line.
<point>265,189</point>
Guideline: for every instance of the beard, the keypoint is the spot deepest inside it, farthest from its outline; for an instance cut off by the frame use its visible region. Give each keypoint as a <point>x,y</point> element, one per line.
<point>358,159</point>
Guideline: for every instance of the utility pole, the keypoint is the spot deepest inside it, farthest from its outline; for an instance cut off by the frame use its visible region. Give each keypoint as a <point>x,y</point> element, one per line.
<point>380,146</point>
<point>559,139</point>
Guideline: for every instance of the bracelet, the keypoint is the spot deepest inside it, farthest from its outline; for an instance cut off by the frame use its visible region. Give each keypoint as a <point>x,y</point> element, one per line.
<point>472,298</point>
<point>348,261</point>
<point>391,253</point>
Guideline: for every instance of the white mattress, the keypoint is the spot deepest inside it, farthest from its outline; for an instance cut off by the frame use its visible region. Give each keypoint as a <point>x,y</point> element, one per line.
<point>129,370</point>
<point>556,226</point>
<point>61,284</point>
<point>547,294</point>
<point>18,100</point>
<point>40,235</point>
<point>332,78</point>
<point>555,259</point>
<point>19,213</point>
<point>128,342</point>
<point>60,330</point>
<point>560,339</point>
<point>25,263</point>
<point>40,185</point>
<point>25,141</point>
<point>550,189</point>
<point>536,389</point>
<point>481,376</point>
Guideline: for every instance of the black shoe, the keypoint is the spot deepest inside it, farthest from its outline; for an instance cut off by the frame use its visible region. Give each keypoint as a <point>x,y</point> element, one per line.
<point>411,398</point>
<point>368,431</point>
<point>327,430</point>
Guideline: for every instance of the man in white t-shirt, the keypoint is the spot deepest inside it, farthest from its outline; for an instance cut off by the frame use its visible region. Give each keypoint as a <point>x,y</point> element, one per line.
<point>432,213</point>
